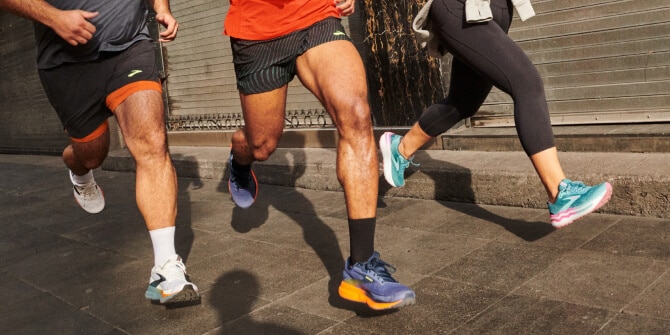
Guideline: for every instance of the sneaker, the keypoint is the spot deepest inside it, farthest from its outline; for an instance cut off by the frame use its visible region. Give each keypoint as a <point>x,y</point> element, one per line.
<point>243,186</point>
<point>89,196</point>
<point>575,200</point>
<point>394,163</point>
<point>371,283</point>
<point>168,283</point>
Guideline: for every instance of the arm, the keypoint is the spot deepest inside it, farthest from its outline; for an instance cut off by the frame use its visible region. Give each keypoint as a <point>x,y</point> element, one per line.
<point>71,25</point>
<point>165,18</point>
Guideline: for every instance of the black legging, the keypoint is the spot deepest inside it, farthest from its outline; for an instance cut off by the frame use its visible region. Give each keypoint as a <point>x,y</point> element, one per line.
<point>485,56</point>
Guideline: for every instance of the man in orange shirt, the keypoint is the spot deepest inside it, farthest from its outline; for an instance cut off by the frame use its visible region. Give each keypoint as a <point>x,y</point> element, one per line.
<point>273,41</point>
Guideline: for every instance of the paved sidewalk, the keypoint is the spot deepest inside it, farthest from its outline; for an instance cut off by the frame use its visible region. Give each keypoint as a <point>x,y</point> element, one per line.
<point>274,268</point>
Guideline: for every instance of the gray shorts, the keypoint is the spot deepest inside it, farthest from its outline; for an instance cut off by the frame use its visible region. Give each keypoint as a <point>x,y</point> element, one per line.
<point>262,66</point>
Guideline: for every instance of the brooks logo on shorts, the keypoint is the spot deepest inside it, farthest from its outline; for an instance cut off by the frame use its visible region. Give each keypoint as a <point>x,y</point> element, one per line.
<point>134,72</point>
<point>338,33</point>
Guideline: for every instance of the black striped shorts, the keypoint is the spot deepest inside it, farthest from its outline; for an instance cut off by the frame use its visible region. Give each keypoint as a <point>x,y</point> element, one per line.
<point>262,66</point>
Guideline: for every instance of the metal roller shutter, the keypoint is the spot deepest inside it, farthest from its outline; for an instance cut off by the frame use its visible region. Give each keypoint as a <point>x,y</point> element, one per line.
<point>602,61</point>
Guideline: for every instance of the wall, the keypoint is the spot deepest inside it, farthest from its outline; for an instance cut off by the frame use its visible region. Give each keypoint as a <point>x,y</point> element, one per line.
<point>28,123</point>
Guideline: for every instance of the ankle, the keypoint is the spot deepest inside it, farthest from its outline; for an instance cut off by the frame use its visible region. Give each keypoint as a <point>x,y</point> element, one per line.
<point>81,180</point>
<point>402,150</point>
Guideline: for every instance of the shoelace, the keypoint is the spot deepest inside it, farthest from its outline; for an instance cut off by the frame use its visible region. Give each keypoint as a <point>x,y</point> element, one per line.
<point>172,269</point>
<point>576,187</point>
<point>89,191</point>
<point>410,161</point>
<point>381,269</point>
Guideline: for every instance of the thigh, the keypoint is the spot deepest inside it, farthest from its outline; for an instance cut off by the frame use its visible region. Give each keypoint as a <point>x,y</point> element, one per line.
<point>264,115</point>
<point>141,120</point>
<point>135,95</point>
<point>332,69</point>
<point>484,47</point>
<point>93,148</point>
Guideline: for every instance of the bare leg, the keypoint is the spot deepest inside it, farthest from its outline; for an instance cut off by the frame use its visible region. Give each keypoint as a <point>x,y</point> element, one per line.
<point>264,124</point>
<point>334,72</point>
<point>81,157</point>
<point>549,170</point>
<point>141,120</point>
<point>412,141</point>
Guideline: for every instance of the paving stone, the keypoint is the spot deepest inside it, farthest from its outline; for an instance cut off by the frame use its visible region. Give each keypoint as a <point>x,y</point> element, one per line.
<point>595,279</point>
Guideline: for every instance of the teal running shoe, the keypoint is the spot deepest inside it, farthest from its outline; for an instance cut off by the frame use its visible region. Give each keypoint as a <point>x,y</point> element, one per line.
<point>243,186</point>
<point>394,163</point>
<point>575,200</point>
<point>371,283</point>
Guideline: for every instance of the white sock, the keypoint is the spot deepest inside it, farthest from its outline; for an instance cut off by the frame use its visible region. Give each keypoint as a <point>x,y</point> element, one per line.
<point>81,180</point>
<point>163,242</point>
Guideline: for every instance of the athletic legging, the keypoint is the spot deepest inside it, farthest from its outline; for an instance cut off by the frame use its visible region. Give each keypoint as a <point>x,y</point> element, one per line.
<point>485,56</point>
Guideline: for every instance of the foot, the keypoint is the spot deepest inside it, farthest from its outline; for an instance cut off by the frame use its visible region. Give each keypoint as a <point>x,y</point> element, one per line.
<point>243,186</point>
<point>371,283</point>
<point>394,163</point>
<point>89,196</point>
<point>575,200</point>
<point>168,283</point>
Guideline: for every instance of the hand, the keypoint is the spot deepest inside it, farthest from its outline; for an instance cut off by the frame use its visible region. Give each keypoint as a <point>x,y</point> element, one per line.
<point>170,24</point>
<point>346,7</point>
<point>74,26</point>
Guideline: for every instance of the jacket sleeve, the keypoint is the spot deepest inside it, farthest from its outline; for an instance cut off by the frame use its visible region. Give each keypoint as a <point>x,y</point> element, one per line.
<point>524,9</point>
<point>478,11</point>
<point>424,37</point>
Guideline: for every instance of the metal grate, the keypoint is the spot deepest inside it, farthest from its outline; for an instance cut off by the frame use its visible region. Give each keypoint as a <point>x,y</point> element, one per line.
<point>296,119</point>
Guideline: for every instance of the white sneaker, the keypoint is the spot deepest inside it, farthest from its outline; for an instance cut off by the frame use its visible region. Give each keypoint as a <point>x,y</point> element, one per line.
<point>89,196</point>
<point>168,283</point>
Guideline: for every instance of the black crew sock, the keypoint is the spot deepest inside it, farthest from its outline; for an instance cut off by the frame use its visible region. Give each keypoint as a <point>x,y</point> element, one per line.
<point>240,168</point>
<point>361,239</point>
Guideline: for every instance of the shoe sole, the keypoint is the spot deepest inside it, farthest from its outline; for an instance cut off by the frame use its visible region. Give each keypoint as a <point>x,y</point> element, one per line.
<point>356,294</point>
<point>387,160</point>
<point>188,293</point>
<point>567,217</point>
<point>253,175</point>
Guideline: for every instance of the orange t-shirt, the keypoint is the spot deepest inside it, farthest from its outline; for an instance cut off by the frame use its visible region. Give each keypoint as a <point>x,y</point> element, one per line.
<point>265,19</point>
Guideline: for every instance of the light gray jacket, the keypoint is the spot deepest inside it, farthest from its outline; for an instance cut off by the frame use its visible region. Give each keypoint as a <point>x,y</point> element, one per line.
<point>475,11</point>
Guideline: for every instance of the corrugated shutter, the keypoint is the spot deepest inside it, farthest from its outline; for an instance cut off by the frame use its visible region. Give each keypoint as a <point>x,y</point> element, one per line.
<point>602,61</point>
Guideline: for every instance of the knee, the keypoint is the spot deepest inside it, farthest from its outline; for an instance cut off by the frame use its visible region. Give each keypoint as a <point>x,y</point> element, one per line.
<point>354,118</point>
<point>92,163</point>
<point>89,155</point>
<point>530,88</point>
<point>258,146</point>
<point>262,151</point>
<point>148,146</point>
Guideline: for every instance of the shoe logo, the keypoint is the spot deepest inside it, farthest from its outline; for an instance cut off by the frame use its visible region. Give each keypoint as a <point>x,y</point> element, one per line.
<point>368,279</point>
<point>339,33</point>
<point>572,198</point>
<point>134,72</point>
<point>396,164</point>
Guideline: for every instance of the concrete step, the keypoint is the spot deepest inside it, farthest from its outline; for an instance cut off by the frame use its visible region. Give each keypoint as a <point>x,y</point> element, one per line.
<point>640,180</point>
<point>640,138</point>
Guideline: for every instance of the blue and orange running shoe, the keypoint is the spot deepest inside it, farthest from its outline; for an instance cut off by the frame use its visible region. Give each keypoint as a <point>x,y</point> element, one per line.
<point>394,163</point>
<point>371,283</point>
<point>575,200</point>
<point>243,186</point>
